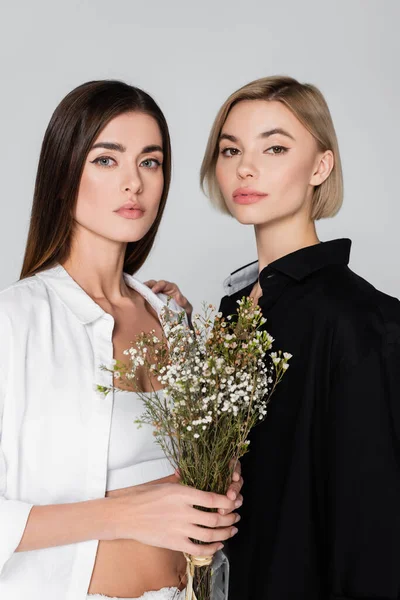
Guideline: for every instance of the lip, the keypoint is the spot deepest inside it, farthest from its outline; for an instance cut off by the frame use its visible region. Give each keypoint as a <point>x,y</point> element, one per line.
<point>247,196</point>
<point>130,211</point>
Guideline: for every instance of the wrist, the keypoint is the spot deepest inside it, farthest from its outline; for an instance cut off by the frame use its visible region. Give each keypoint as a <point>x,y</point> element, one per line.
<point>106,519</point>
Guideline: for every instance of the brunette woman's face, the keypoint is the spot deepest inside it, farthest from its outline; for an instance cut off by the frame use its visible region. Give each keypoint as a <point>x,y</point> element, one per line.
<point>268,163</point>
<point>122,180</point>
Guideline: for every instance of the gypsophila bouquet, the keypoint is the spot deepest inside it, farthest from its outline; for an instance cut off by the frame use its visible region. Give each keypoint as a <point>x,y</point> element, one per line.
<point>217,380</point>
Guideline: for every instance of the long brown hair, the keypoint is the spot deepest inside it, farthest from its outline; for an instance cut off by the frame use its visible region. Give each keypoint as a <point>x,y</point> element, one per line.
<point>75,124</point>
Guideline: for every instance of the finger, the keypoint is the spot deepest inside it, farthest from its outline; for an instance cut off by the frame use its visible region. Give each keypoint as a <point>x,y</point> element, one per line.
<point>238,504</point>
<point>237,470</point>
<point>208,499</point>
<point>181,300</point>
<point>187,306</point>
<point>159,286</point>
<point>202,549</point>
<point>151,283</point>
<point>214,519</point>
<point>234,489</point>
<point>203,534</point>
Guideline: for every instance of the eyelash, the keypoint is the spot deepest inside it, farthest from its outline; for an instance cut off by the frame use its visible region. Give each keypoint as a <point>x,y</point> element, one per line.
<point>282,149</point>
<point>154,160</point>
<point>99,158</point>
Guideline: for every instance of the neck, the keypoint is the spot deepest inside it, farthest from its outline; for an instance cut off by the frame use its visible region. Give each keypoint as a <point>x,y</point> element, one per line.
<point>275,240</point>
<point>96,264</point>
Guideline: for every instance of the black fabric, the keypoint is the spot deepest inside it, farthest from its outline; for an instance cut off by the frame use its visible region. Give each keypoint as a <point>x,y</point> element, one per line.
<point>321,512</point>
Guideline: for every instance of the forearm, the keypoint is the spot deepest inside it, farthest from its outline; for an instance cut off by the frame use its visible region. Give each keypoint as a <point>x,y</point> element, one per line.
<point>62,524</point>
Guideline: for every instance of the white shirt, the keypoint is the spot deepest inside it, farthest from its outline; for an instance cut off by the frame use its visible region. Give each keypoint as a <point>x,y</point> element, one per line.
<point>54,426</point>
<point>134,456</point>
<point>241,278</point>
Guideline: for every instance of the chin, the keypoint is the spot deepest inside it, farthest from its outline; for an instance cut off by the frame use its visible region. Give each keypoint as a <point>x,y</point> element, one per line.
<point>252,215</point>
<point>132,238</point>
<point>244,220</point>
<point>128,234</point>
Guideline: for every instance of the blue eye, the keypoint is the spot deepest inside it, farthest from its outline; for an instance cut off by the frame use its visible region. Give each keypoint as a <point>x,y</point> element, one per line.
<point>103,161</point>
<point>150,163</point>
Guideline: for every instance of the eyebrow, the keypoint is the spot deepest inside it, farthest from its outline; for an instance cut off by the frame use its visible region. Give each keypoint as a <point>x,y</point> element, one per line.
<point>264,134</point>
<point>122,148</point>
<point>274,131</point>
<point>109,146</point>
<point>152,148</point>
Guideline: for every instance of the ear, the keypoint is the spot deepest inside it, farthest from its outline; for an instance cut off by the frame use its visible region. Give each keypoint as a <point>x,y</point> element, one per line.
<point>323,168</point>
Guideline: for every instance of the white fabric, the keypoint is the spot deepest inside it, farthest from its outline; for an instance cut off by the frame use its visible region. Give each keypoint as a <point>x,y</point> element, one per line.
<point>134,457</point>
<point>241,278</point>
<point>54,426</point>
<point>219,585</point>
<point>163,594</point>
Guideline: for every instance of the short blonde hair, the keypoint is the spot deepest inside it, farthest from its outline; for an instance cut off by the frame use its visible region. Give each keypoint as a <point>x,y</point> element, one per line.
<point>307,103</point>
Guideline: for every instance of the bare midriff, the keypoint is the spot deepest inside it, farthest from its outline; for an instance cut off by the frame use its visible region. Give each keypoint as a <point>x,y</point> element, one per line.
<point>128,569</point>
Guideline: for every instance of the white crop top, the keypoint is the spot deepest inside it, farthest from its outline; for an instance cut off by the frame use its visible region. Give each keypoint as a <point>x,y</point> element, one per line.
<point>134,457</point>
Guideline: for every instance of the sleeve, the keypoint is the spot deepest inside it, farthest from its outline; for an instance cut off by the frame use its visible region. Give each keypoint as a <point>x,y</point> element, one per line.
<point>13,513</point>
<point>364,478</point>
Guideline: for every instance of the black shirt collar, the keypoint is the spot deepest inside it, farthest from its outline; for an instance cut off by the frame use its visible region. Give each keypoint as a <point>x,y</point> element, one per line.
<point>302,263</point>
<point>296,266</point>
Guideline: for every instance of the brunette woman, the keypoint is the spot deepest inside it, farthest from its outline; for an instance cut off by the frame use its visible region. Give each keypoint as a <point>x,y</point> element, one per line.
<point>89,503</point>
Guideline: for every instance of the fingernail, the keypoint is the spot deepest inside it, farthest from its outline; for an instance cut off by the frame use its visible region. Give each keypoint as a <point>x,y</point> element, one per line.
<point>233,495</point>
<point>238,503</point>
<point>220,547</point>
<point>234,530</point>
<point>238,517</point>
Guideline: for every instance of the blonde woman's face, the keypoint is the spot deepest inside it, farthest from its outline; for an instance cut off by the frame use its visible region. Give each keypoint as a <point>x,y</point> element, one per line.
<point>268,163</point>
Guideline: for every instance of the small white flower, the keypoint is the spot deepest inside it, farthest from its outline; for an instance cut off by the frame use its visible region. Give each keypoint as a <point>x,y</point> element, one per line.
<point>196,435</point>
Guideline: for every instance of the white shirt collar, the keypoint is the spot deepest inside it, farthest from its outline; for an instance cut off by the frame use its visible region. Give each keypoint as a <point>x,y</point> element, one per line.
<point>241,278</point>
<point>82,305</point>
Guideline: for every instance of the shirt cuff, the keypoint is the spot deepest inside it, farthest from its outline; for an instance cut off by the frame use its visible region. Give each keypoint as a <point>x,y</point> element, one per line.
<point>13,518</point>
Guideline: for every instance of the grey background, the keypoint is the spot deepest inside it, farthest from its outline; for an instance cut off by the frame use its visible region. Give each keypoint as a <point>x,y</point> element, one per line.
<point>190,57</point>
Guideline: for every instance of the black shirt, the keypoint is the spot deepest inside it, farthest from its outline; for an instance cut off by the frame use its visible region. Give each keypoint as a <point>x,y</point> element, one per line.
<point>321,512</point>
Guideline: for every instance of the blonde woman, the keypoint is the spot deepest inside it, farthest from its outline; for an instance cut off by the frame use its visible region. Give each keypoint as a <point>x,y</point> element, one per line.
<point>324,521</point>
<point>89,505</point>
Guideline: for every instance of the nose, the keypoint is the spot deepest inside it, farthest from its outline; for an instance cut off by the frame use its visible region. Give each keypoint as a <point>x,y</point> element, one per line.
<point>132,181</point>
<point>246,168</point>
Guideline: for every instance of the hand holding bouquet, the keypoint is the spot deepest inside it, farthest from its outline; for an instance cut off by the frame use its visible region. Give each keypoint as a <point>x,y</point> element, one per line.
<point>217,381</point>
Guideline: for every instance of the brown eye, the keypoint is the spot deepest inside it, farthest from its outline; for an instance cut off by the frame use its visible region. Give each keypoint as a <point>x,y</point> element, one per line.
<point>277,150</point>
<point>229,152</point>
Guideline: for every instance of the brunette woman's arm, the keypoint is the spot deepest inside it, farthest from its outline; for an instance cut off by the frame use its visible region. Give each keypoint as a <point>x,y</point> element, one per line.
<point>160,515</point>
